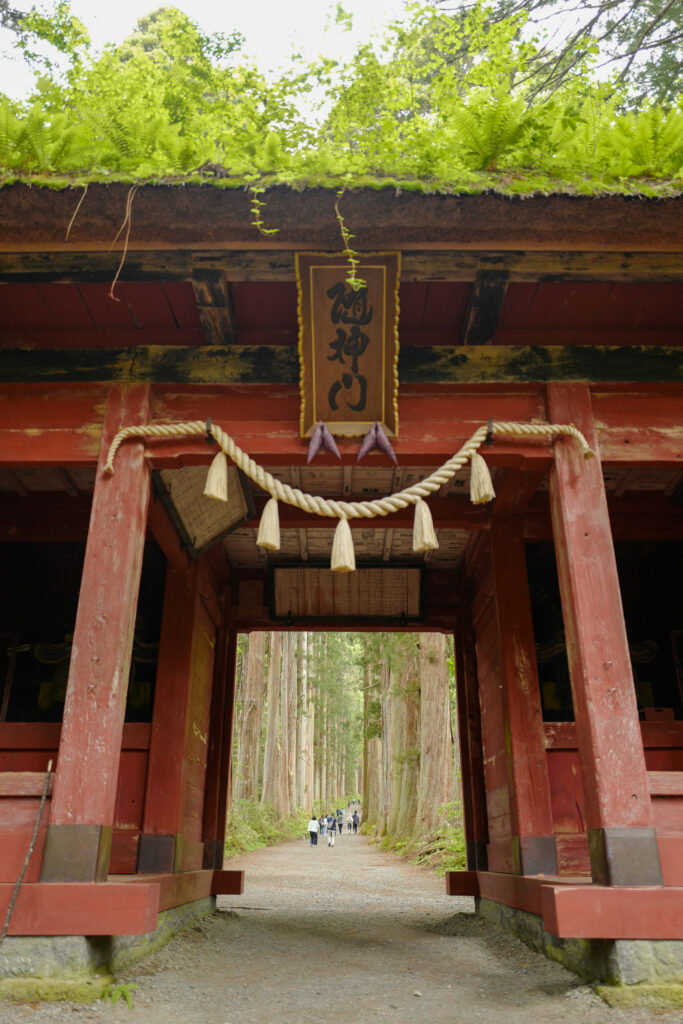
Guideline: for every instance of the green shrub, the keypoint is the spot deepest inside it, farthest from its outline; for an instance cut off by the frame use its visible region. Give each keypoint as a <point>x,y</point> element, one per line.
<point>253,825</point>
<point>446,850</point>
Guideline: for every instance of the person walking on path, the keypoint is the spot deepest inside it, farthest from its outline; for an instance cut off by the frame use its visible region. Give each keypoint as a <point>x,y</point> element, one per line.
<point>331,831</point>
<point>340,821</point>
<point>313,830</point>
<point>355,819</point>
<point>323,825</point>
<point>349,821</point>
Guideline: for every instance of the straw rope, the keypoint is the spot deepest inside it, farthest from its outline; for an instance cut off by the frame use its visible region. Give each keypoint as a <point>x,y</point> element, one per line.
<point>320,506</point>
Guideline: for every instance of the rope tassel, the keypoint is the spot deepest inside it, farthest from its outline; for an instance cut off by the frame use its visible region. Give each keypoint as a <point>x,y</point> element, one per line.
<point>424,535</point>
<point>216,485</point>
<point>343,556</point>
<point>269,527</point>
<point>481,485</point>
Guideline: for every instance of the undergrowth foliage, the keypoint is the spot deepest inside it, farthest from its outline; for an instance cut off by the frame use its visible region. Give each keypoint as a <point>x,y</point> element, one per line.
<point>253,825</point>
<point>440,105</point>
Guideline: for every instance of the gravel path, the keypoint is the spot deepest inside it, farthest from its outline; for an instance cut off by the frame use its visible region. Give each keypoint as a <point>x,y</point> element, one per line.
<point>348,934</point>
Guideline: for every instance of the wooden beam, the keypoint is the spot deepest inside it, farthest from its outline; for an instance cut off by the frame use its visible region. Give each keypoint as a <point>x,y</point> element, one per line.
<point>619,820</point>
<point>82,908</point>
<point>83,804</point>
<point>165,534</point>
<point>516,488</point>
<point>161,839</point>
<point>531,819</point>
<point>214,305</point>
<point>279,364</point>
<point>484,306</point>
<point>278,265</point>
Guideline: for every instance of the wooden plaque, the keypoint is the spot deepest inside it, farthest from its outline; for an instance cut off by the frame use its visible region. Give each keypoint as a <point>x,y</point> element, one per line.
<point>368,593</point>
<point>348,343</point>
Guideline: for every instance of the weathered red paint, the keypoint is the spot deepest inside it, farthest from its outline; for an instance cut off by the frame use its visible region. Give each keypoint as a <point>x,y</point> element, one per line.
<point>607,724</point>
<point>90,743</point>
<point>529,794</point>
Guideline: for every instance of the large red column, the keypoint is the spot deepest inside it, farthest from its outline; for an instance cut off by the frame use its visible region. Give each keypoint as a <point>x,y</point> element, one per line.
<point>531,821</point>
<point>220,744</point>
<point>172,831</point>
<point>471,756</point>
<point>621,835</point>
<point>82,811</point>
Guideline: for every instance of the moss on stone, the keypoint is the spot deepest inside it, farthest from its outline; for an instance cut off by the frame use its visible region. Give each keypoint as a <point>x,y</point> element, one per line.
<point>626,997</point>
<point>52,990</point>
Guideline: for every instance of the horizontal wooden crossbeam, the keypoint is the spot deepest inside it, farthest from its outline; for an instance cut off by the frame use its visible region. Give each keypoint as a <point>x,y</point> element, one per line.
<point>278,265</point>
<point>274,364</point>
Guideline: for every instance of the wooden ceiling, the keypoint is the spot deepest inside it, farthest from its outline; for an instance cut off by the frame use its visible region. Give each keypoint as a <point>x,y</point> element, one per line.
<point>83,315</point>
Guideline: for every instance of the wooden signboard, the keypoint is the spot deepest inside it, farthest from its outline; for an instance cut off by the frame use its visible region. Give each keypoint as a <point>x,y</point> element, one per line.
<point>367,593</point>
<point>348,343</point>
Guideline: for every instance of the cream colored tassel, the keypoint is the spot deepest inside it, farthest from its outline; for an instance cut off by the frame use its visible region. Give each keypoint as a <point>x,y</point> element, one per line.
<point>343,557</point>
<point>481,485</point>
<point>216,485</point>
<point>424,535</point>
<point>269,527</point>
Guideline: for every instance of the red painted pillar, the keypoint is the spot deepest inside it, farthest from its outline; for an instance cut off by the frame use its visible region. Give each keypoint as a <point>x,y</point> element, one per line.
<point>160,847</point>
<point>172,831</point>
<point>220,745</point>
<point>82,812</point>
<point>531,821</point>
<point>471,756</point>
<point>620,825</point>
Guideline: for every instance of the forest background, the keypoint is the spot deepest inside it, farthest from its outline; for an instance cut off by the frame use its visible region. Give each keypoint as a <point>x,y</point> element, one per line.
<point>334,720</point>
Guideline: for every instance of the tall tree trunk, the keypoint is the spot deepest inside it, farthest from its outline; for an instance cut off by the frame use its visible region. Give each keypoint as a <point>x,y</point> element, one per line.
<point>272,781</point>
<point>386,681</point>
<point>246,779</point>
<point>406,745</point>
<point>285,680</point>
<point>372,746</point>
<point>436,763</point>
<point>301,720</point>
<point>293,639</point>
<point>309,785</point>
<point>322,737</point>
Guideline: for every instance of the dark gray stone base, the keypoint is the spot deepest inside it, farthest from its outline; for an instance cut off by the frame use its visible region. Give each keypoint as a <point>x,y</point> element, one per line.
<point>78,957</point>
<point>612,961</point>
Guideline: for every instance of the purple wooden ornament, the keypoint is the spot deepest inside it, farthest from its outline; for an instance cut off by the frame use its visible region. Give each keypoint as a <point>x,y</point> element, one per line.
<point>369,442</point>
<point>315,444</point>
<point>328,441</point>
<point>383,442</point>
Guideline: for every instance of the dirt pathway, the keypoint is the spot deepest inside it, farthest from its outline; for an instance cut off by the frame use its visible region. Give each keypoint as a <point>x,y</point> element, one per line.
<point>348,934</point>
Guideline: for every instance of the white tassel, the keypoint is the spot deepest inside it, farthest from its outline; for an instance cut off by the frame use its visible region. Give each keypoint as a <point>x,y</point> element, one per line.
<point>216,485</point>
<point>481,485</point>
<point>424,535</point>
<point>269,527</point>
<point>343,557</point>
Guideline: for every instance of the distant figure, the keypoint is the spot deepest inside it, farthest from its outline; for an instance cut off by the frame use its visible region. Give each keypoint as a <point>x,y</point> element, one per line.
<point>323,825</point>
<point>356,821</point>
<point>331,831</point>
<point>349,821</point>
<point>313,830</point>
<point>340,821</point>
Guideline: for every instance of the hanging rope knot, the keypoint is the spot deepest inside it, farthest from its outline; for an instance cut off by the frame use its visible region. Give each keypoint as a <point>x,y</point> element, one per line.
<point>343,558</point>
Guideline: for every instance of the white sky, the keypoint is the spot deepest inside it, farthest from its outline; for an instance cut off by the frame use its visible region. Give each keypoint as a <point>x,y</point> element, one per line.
<point>272,27</point>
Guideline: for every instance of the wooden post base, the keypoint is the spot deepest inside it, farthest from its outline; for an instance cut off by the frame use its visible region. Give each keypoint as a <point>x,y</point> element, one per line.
<point>76,853</point>
<point>534,855</point>
<point>158,854</point>
<point>213,854</point>
<point>624,856</point>
<point>477,858</point>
